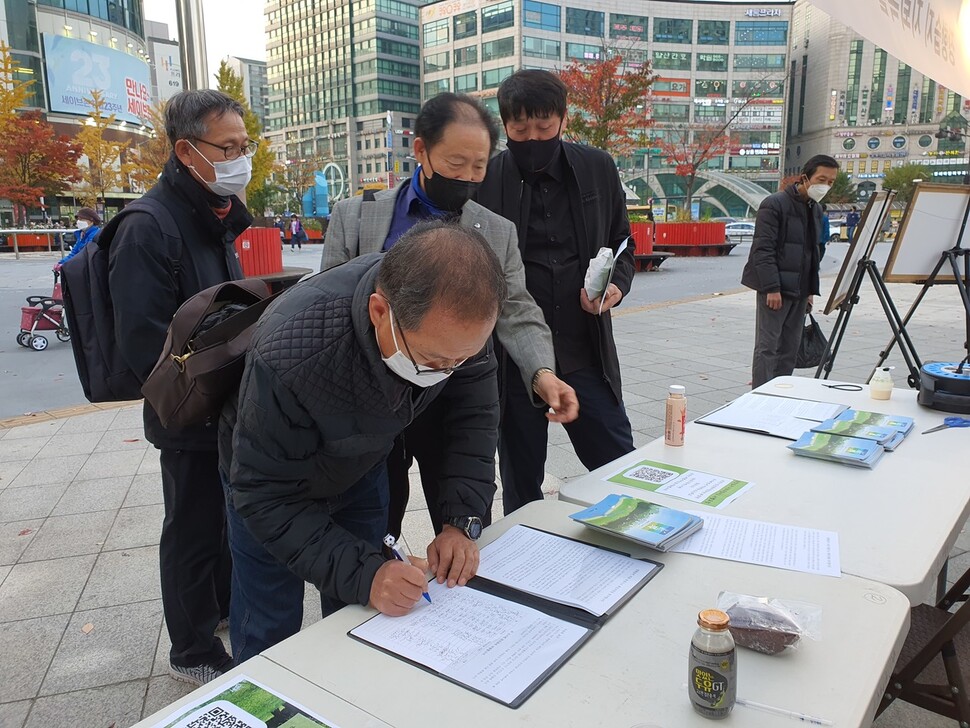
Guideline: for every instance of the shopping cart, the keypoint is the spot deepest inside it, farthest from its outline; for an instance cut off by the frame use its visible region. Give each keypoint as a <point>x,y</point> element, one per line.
<point>45,313</point>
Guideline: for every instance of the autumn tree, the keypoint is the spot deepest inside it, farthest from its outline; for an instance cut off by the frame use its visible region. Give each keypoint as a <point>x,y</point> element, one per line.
<point>259,190</point>
<point>608,100</point>
<point>298,177</point>
<point>690,148</point>
<point>14,92</point>
<point>34,161</point>
<point>103,168</point>
<point>148,158</point>
<point>903,180</point>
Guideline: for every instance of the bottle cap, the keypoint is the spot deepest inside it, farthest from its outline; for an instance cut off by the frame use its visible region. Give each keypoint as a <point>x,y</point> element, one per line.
<point>713,619</point>
<point>677,389</point>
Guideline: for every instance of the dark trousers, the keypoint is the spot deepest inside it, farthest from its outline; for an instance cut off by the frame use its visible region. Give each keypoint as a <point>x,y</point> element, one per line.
<point>600,434</point>
<point>777,336</point>
<point>422,442</point>
<point>193,554</point>
<point>267,599</point>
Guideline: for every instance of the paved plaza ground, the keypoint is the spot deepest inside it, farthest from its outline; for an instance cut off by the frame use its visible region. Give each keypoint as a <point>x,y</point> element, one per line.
<point>82,639</point>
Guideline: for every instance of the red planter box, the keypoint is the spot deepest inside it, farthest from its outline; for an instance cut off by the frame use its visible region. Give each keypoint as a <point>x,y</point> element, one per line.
<point>259,251</point>
<point>692,238</point>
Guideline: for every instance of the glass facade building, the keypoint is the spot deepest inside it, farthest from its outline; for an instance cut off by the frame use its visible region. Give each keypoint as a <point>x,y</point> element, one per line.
<point>852,100</point>
<point>719,64</point>
<point>337,70</point>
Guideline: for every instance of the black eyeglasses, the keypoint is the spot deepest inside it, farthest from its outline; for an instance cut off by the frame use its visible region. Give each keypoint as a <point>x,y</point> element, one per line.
<point>418,369</point>
<point>232,151</point>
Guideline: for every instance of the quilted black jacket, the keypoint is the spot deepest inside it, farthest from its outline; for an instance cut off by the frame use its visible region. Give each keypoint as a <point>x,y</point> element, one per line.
<point>784,254</point>
<point>318,408</point>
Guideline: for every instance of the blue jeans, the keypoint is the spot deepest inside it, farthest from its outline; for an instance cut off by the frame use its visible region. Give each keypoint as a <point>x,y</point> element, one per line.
<point>267,598</point>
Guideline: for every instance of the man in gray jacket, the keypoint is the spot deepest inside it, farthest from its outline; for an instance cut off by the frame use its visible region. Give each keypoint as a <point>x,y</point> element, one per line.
<point>339,365</point>
<point>454,137</point>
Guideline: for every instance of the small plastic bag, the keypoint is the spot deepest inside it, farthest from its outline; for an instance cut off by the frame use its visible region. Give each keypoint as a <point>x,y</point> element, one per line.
<point>598,273</point>
<point>769,625</point>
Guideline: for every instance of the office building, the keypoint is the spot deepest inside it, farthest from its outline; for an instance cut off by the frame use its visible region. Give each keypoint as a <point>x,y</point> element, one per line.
<point>253,75</point>
<point>71,47</point>
<point>870,111</point>
<point>335,71</point>
<point>718,64</point>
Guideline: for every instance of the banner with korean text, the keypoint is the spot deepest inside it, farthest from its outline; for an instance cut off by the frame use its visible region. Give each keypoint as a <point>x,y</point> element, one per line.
<point>933,36</point>
<point>76,67</point>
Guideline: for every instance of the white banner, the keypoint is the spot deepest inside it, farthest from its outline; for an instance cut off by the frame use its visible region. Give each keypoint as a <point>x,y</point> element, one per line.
<point>933,36</point>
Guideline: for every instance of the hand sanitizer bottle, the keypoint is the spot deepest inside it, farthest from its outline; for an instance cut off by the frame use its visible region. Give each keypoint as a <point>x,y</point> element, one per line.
<point>881,384</point>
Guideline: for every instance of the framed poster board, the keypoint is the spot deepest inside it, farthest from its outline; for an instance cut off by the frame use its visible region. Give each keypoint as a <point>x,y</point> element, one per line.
<point>930,227</point>
<point>861,245</point>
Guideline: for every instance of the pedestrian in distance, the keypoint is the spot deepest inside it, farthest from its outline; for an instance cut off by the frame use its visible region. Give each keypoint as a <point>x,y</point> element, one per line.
<point>782,267</point>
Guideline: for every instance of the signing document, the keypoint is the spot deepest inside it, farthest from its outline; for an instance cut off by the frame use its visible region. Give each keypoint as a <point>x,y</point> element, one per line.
<point>770,414</point>
<point>536,599</point>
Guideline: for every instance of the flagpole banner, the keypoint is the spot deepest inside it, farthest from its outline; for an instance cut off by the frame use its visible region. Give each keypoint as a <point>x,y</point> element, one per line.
<point>932,36</point>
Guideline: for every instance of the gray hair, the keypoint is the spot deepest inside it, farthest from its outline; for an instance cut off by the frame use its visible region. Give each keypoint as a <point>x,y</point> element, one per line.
<point>439,264</point>
<point>187,113</point>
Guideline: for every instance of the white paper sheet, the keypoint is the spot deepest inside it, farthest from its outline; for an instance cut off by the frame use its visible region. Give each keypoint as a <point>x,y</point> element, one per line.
<point>490,644</point>
<point>781,416</point>
<point>770,544</point>
<point>561,570</point>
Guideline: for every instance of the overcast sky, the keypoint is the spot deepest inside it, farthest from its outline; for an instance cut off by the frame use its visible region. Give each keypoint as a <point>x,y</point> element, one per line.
<point>232,28</point>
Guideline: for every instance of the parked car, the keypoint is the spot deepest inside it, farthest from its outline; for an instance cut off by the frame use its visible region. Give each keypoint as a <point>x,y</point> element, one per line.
<point>736,232</point>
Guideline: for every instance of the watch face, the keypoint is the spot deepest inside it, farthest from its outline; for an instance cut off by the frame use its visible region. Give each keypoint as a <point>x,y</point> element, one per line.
<point>474,528</point>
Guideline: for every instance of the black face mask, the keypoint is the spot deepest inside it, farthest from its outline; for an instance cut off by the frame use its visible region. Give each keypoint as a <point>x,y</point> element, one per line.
<point>534,155</point>
<point>448,194</point>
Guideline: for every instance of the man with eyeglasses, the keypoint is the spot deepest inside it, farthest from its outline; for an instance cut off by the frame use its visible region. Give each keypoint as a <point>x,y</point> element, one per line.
<point>151,272</point>
<point>338,367</point>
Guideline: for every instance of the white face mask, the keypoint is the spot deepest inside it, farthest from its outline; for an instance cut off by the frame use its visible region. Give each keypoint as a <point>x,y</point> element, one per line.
<point>83,224</point>
<point>231,176</point>
<point>400,364</point>
<point>817,192</point>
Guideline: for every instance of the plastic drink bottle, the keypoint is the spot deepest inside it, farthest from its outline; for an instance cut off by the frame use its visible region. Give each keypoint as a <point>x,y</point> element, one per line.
<point>676,415</point>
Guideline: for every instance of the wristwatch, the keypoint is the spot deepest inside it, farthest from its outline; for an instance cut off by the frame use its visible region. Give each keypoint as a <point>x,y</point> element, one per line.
<point>539,373</point>
<point>470,525</point>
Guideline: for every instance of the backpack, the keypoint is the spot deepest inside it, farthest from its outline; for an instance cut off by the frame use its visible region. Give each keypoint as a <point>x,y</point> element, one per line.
<point>105,375</point>
<point>205,352</point>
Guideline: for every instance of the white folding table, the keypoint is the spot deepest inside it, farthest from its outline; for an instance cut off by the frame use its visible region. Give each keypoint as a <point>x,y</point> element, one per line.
<point>896,523</point>
<point>633,671</point>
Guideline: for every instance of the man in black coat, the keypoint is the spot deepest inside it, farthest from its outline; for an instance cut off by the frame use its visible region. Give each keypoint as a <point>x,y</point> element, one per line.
<point>150,275</point>
<point>567,202</point>
<point>338,367</point>
<point>783,267</point>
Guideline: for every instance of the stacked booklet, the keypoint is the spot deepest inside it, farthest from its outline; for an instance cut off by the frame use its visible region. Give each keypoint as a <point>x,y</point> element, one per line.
<point>854,437</point>
<point>646,523</point>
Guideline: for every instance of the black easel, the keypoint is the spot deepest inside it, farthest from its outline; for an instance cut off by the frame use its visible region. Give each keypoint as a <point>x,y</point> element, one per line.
<point>866,266</point>
<point>952,257</point>
<point>961,280</point>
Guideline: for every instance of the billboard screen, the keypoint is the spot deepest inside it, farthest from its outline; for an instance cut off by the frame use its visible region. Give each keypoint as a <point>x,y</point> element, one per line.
<point>76,67</point>
<point>168,68</point>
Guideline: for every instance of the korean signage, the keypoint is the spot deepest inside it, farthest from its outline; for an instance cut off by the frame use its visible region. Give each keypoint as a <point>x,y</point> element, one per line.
<point>763,12</point>
<point>671,87</point>
<point>706,87</point>
<point>922,33</point>
<point>833,104</point>
<point>75,68</point>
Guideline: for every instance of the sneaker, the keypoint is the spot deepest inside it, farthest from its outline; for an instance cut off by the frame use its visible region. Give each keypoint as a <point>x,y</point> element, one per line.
<point>200,674</point>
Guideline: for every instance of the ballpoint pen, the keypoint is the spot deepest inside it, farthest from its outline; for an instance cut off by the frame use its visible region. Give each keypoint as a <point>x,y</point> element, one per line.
<point>400,555</point>
<point>783,711</point>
